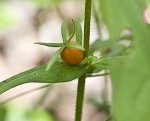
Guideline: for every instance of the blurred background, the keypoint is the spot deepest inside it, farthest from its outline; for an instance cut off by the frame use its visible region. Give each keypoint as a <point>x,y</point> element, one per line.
<point>24,22</point>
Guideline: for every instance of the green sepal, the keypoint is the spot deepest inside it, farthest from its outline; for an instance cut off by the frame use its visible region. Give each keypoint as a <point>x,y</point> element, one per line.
<point>75,46</point>
<point>50,44</point>
<point>64,31</point>
<point>72,32</point>
<point>54,57</point>
<point>89,60</point>
<point>78,32</point>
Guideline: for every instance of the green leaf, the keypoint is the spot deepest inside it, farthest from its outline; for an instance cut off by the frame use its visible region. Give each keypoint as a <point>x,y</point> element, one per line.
<point>78,32</point>
<point>18,113</point>
<point>60,72</point>
<point>72,32</point>
<point>106,13</point>
<point>47,3</point>
<point>131,87</point>
<point>38,114</point>
<point>126,37</point>
<point>100,105</point>
<point>131,80</point>
<point>64,31</point>
<point>3,113</point>
<point>54,57</point>
<point>50,44</point>
<point>106,63</point>
<point>117,18</point>
<point>110,119</point>
<point>89,60</point>
<point>99,45</point>
<point>117,50</point>
<point>75,46</point>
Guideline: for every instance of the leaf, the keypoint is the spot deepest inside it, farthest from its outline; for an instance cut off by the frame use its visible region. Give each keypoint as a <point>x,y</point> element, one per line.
<point>47,3</point>
<point>100,105</point>
<point>131,80</point>
<point>110,118</point>
<point>117,50</point>
<point>131,87</point>
<point>89,60</point>
<point>64,31</point>
<point>126,37</point>
<point>78,32</point>
<point>54,57</point>
<point>50,44</point>
<point>106,14</point>
<point>75,46</point>
<point>106,63</point>
<point>3,113</point>
<point>99,45</point>
<point>60,72</point>
<point>117,18</point>
<point>38,114</point>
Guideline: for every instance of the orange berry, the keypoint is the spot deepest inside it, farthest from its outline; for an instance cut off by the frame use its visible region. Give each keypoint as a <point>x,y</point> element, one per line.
<point>72,56</point>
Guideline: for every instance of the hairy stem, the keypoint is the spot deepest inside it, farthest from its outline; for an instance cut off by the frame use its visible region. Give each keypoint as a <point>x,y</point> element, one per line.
<point>87,20</point>
<point>81,80</point>
<point>80,97</point>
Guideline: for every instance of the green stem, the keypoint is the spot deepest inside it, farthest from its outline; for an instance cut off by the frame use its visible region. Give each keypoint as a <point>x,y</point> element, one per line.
<point>24,93</point>
<point>80,96</point>
<point>87,21</point>
<point>42,97</point>
<point>106,87</point>
<point>81,80</point>
<point>98,75</point>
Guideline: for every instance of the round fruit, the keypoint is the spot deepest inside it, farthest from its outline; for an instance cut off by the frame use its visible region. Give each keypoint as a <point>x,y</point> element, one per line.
<point>72,56</point>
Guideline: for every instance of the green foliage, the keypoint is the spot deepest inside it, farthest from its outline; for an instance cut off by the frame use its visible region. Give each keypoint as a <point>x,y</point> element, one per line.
<point>50,44</point>
<point>7,16</point>
<point>46,3</point>
<point>54,58</point>
<point>113,48</point>
<point>77,29</point>
<point>105,63</point>
<point>3,112</point>
<point>131,85</point>
<point>39,115</point>
<point>78,32</point>
<point>99,105</point>
<point>99,45</point>
<point>64,31</point>
<point>74,30</point>
<point>75,46</point>
<point>16,113</point>
<point>60,72</point>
